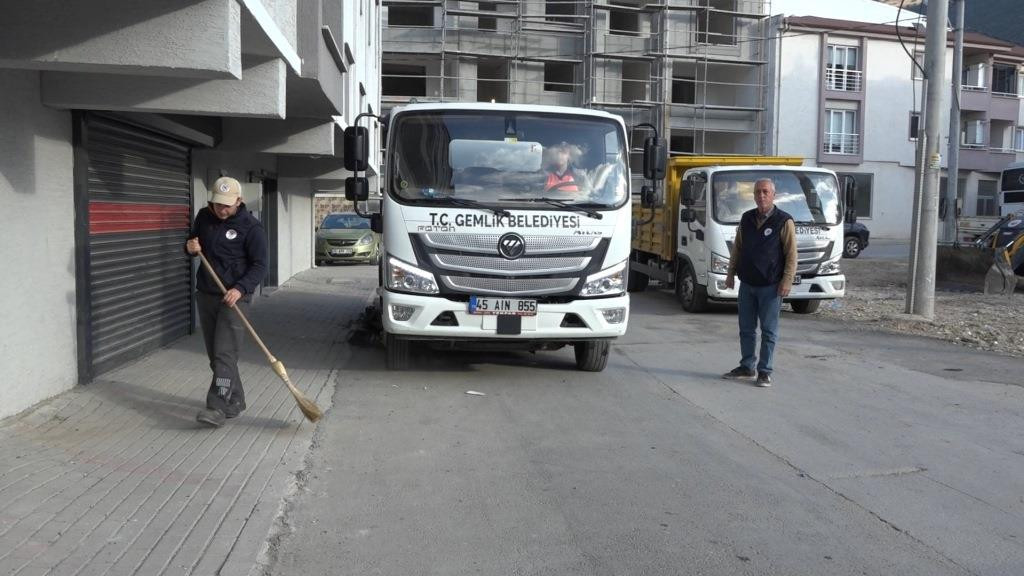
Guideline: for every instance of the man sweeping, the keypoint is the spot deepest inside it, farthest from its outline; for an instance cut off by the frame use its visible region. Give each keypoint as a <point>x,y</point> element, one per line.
<point>234,242</point>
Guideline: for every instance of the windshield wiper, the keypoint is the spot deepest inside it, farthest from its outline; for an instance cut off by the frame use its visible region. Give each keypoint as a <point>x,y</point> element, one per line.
<point>468,204</point>
<point>561,204</point>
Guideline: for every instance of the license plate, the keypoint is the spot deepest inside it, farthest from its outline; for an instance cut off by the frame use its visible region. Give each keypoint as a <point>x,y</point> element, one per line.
<point>503,306</point>
<point>341,252</point>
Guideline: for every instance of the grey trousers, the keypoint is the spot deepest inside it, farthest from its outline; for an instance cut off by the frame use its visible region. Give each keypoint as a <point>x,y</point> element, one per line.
<point>222,333</point>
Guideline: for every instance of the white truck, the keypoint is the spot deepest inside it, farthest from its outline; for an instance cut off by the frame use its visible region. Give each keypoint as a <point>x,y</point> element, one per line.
<point>685,241</point>
<point>481,250</point>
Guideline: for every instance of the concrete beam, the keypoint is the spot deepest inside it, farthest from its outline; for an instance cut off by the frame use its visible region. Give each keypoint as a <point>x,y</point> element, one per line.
<point>180,38</point>
<point>284,44</point>
<point>292,136</point>
<point>260,93</point>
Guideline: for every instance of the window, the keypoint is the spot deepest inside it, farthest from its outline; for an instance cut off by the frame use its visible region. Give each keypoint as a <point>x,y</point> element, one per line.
<point>560,11</point>
<point>974,133</point>
<point>409,15</point>
<point>842,70</point>
<point>917,65</point>
<point>864,191</point>
<point>841,132</point>
<point>1004,79</point>
<point>623,23</point>
<point>986,203</point>
<point>684,90</point>
<point>558,77</point>
<point>403,80</point>
<point>716,24</point>
<point>1018,139</point>
<point>487,22</point>
<point>974,76</point>
<point>915,123</point>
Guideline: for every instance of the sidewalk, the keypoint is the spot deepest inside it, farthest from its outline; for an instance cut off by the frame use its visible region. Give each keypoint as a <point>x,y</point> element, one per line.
<point>116,477</point>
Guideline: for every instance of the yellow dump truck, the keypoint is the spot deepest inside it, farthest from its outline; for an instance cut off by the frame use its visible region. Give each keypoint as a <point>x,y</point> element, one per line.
<point>683,238</point>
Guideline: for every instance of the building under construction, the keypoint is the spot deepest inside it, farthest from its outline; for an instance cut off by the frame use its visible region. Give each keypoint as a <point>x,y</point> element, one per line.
<point>696,69</point>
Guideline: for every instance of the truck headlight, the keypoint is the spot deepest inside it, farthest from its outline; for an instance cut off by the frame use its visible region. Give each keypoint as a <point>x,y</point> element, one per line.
<point>830,267</point>
<point>408,278</point>
<point>719,264</point>
<point>365,240</point>
<point>608,281</point>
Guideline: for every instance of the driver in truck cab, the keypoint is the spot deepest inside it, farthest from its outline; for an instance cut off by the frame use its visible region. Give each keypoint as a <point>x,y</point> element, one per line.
<point>559,160</point>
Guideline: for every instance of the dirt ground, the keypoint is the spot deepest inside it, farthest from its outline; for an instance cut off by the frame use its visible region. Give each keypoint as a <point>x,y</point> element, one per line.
<point>876,300</point>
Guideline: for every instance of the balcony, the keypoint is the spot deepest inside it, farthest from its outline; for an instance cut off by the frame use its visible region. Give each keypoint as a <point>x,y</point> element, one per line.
<point>841,80</point>
<point>841,143</point>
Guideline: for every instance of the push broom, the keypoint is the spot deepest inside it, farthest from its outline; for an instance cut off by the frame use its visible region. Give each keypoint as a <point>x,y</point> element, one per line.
<point>309,409</point>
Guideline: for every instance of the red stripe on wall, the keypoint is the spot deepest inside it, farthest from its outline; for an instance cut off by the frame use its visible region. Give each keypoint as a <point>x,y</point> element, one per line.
<point>108,217</point>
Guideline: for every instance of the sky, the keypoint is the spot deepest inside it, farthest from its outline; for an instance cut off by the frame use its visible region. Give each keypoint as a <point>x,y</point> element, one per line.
<point>856,10</point>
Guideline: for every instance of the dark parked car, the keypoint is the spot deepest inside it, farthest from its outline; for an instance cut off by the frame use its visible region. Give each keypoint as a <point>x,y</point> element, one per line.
<point>855,239</point>
<point>346,237</point>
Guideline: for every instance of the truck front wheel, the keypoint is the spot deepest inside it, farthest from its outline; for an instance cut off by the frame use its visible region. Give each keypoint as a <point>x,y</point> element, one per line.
<point>397,352</point>
<point>805,306</point>
<point>690,294</point>
<point>592,356</point>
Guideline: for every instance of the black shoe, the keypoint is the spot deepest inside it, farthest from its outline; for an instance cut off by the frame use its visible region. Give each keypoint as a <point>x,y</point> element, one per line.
<point>233,410</point>
<point>739,373</point>
<point>211,417</point>
<point>764,380</point>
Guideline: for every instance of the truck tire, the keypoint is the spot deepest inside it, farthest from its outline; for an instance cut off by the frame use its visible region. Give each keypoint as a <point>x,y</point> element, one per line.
<point>636,281</point>
<point>690,294</point>
<point>397,351</point>
<point>592,355</point>
<point>805,306</point>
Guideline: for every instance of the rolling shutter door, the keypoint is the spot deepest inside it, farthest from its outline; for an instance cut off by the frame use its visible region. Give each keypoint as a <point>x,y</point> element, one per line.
<point>139,212</point>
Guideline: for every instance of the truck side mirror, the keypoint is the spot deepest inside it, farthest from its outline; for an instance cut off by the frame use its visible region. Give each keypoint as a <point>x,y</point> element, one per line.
<point>357,189</point>
<point>376,223</point>
<point>357,148</point>
<point>850,198</point>
<point>687,195</point>
<point>649,197</point>
<point>655,158</point>
<point>687,215</point>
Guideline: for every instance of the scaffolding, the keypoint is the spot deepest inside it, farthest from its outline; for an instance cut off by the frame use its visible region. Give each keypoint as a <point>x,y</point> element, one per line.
<point>696,69</point>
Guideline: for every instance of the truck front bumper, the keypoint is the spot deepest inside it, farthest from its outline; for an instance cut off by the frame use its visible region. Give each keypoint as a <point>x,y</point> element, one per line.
<point>434,317</point>
<point>814,288</point>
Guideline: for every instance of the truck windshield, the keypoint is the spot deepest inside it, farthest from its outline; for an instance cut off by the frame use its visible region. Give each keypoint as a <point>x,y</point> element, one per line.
<point>508,158</point>
<point>810,197</point>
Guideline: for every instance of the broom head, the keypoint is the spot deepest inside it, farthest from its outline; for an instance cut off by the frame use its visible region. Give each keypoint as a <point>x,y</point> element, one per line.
<point>309,408</point>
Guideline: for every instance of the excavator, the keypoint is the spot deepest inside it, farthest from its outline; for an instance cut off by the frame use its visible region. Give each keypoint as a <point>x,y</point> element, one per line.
<point>1005,240</point>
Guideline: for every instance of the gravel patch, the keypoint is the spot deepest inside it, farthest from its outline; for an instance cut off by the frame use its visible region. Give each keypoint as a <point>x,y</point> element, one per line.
<point>876,300</point>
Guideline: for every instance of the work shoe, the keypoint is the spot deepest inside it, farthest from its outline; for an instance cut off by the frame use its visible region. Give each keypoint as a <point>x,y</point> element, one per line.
<point>234,409</point>
<point>211,417</point>
<point>738,373</point>
<point>764,380</point>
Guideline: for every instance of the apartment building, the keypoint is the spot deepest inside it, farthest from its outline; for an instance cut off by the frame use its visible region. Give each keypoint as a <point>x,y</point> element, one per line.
<point>848,95</point>
<point>114,119</point>
<point>695,69</point>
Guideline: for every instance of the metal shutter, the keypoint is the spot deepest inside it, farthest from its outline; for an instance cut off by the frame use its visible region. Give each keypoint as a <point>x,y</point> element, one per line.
<point>139,211</point>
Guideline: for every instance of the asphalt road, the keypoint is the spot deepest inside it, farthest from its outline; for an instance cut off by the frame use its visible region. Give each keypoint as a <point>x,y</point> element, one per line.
<point>872,454</point>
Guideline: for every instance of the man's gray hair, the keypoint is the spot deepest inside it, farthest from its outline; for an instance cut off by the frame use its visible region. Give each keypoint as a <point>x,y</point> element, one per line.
<point>768,180</point>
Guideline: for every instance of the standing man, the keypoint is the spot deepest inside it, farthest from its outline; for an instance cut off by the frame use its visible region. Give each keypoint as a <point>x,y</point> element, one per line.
<point>234,242</point>
<point>764,257</point>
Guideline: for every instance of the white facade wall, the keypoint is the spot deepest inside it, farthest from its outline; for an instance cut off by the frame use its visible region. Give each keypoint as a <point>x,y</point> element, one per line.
<point>796,117</point>
<point>38,355</point>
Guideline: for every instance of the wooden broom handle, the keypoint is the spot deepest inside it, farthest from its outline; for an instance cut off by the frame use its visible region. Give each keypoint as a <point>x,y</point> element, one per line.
<point>252,331</point>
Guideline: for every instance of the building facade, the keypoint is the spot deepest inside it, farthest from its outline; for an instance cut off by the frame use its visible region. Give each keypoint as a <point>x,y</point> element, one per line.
<point>695,69</point>
<point>114,121</point>
<point>848,96</point>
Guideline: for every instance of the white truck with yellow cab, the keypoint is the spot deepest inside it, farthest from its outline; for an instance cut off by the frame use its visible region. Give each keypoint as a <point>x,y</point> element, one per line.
<point>483,247</point>
<point>685,239</point>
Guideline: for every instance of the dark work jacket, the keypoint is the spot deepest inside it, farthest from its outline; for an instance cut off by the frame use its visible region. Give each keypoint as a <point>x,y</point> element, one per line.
<point>762,261</point>
<point>236,248</point>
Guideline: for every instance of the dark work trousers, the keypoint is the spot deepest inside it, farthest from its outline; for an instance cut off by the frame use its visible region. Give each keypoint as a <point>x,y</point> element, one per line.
<point>222,333</point>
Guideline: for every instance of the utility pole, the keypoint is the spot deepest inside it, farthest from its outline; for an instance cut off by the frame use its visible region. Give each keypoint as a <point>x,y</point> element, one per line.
<point>921,285</point>
<point>953,163</point>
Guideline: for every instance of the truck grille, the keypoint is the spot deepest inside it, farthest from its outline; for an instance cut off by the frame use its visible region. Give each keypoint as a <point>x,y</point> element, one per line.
<point>470,264</point>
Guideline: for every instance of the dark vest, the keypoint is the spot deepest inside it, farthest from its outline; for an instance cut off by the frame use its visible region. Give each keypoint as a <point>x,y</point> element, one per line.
<point>761,259</point>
